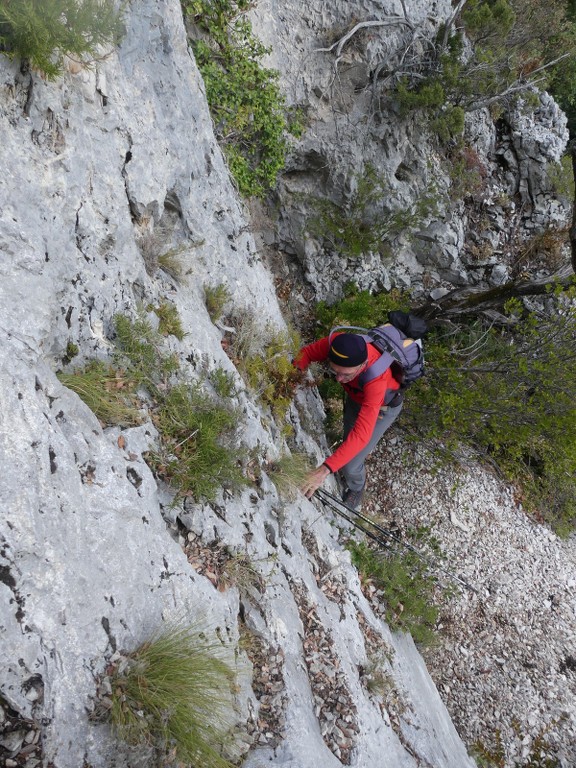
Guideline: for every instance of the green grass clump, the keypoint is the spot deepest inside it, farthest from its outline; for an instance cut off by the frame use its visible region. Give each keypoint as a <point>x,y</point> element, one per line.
<point>174,693</point>
<point>196,455</point>
<point>407,586</point>
<point>169,320</point>
<point>289,472</point>
<point>108,392</point>
<point>42,32</point>
<point>244,98</point>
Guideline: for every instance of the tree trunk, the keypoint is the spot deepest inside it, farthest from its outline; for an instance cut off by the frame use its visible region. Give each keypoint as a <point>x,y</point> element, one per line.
<point>474,301</point>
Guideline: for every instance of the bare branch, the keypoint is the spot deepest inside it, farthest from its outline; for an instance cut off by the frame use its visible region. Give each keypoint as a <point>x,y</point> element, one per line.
<point>450,23</point>
<point>339,44</point>
<point>516,88</point>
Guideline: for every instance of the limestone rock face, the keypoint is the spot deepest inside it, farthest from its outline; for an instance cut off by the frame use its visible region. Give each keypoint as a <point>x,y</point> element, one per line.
<point>335,62</point>
<point>102,171</point>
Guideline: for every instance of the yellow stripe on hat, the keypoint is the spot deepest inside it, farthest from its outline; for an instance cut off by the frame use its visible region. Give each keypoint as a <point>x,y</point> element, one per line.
<point>339,354</point>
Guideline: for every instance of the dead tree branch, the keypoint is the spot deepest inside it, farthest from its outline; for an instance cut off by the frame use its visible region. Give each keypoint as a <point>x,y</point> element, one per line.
<point>475,301</point>
<point>339,44</point>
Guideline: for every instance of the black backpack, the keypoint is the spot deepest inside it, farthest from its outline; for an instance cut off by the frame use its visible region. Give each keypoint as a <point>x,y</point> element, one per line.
<point>399,341</point>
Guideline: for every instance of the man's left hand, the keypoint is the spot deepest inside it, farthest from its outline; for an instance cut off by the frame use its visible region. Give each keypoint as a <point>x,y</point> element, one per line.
<point>314,480</point>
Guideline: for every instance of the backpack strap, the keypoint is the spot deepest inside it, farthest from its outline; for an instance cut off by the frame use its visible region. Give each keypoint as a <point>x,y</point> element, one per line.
<point>377,368</point>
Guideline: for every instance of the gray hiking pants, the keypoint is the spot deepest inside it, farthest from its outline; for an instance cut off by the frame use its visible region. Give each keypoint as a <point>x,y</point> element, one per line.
<point>355,472</point>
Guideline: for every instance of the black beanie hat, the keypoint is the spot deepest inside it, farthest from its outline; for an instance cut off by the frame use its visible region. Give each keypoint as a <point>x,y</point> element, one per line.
<point>348,350</point>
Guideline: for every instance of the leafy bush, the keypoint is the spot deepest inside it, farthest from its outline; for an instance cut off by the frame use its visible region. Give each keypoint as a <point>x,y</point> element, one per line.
<point>360,308</point>
<point>196,435</point>
<point>44,31</point>
<point>511,395</point>
<point>244,97</point>
<point>406,586</point>
<point>174,693</point>
<point>108,392</point>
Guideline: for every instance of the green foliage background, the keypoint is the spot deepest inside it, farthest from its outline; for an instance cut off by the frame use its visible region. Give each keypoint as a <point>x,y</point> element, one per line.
<point>514,43</point>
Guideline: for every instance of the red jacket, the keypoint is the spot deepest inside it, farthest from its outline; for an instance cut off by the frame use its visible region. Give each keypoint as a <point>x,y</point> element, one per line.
<point>371,398</point>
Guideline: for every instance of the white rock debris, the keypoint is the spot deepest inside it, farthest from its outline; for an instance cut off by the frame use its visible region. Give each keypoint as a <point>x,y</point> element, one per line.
<point>505,662</point>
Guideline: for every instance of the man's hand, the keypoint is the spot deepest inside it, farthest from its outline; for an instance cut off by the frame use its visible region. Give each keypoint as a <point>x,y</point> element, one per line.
<point>314,480</point>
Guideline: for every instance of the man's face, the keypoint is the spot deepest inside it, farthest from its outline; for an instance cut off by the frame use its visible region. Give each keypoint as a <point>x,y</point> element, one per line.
<point>344,375</point>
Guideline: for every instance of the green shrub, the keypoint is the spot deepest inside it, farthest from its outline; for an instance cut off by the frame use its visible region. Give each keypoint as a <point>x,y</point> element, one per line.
<point>174,693</point>
<point>360,308</point>
<point>509,394</point>
<point>44,31</point>
<point>224,383</point>
<point>407,587</point>
<point>244,98</point>
<point>216,297</point>
<point>108,392</point>
<point>362,224</point>
<point>195,454</point>
<point>514,46</point>
<point>432,96</point>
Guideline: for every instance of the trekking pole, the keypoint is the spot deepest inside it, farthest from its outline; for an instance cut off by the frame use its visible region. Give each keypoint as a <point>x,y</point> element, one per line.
<point>353,522</point>
<point>335,504</point>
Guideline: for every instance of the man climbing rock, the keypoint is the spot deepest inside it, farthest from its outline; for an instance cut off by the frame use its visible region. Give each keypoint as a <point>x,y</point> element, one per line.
<point>370,408</point>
